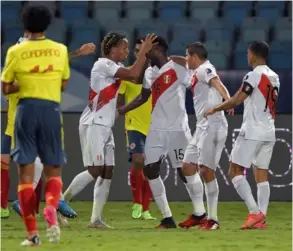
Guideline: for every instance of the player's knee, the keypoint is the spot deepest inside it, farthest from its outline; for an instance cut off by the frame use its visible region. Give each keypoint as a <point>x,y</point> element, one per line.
<point>181,175</point>
<point>207,174</point>
<point>260,175</point>
<point>138,161</point>
<point>5,161</point>
<point>107,172</point>
<point>189,169</point>
<point>235,170</point>
<point>152,171</point>
<point>95,171</point>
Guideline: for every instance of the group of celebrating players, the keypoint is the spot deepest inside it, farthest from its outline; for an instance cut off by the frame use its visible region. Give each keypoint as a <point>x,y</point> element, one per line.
<point>36,72</point>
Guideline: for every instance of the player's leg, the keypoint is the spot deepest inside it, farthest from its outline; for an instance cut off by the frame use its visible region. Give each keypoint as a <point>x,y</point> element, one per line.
<point>243,153</point>
<point>261,165</point>
<point>24,154</point>
<point>210,151</point>
<point>5,180</point>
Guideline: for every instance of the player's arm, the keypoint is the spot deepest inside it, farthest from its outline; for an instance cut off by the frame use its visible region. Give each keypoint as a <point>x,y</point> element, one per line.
<point>136,69</point>
<point>8,74</point>
<point>84,50</point>
<point>136,102</point>
<point>122,90</point>
<point>179,60</point>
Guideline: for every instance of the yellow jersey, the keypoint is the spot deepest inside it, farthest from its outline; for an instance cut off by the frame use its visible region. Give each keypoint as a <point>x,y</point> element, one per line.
<point>12,100</point>
<point>138,119</point>
<point>39,66</point>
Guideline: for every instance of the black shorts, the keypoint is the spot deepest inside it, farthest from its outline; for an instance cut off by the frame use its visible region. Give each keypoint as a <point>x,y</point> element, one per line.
<point>136,142</point>
<point>6,144</point>
<point>38,131</point>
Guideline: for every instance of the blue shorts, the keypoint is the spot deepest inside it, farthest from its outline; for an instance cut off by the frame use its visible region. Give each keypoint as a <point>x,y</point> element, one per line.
<point>38,131</point>
<point>6,144</point>
<point>136,142</point>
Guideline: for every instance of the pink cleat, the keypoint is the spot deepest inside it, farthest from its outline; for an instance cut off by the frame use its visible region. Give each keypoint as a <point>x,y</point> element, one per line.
<point>53,231</point>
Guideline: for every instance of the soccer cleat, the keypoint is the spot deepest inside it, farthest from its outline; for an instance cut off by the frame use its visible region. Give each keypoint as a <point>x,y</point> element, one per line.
<point>63,222</point>
<point>136,211</point>
<point>252,220</point>
<point>66,210</point>
<point>98,224</point>
<point>167,223</point>
<point>53,234</point>
<point>146,215</point>
<point>16,207</point>
<point>209,225</point>
<point>5,213</point>
<point>31,242</point>
<point>193,220</point>
<point>53,231</point>
<point>260,225</point>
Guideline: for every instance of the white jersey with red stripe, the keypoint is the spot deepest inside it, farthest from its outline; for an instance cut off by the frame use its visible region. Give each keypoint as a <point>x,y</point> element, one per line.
<point>168,86</point>
<point>103,94</point>
<point>262,84</point>
<point>205,96</point>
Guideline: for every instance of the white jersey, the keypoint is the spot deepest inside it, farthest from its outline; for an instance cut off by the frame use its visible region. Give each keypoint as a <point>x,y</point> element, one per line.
<point>205,96</point>
<point>103,94</point>
<point>168,87</point>
<point>262,85</point>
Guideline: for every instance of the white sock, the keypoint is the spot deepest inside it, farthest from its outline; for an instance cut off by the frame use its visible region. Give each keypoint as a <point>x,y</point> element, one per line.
<point>243,189</point>
<point>194,187</point>
<point>101,192</point>
<point>61,196</point>
<point>79,182</point>
<point>159,193</point>
<point>212,194</point>
<point>38,171</point>
<point>263,196</point>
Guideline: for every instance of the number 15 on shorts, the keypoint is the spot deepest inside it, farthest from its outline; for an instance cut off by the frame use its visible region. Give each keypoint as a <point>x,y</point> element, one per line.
<point>179,154</point>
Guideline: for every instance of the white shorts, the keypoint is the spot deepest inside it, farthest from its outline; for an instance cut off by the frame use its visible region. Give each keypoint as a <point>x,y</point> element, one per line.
<point>97,145</point>
<point>248,152</point>
<point>206,147</point>
<point>159,144</point>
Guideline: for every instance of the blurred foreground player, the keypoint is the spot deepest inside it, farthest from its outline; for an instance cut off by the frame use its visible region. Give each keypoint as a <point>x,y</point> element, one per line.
<point>255,142</point>
<point>137,123</point>
<point>169,132</point>
<point>97,120</point>
<point>38,125</point>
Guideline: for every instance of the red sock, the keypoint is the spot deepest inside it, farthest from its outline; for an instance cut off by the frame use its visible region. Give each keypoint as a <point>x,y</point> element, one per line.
<point>38,192</point>
<point>5,181</point>
<point>27,199</point>
<point>132,183</point>
<point>147,195</point>
<point>138,178</point>
<point>53,191</point>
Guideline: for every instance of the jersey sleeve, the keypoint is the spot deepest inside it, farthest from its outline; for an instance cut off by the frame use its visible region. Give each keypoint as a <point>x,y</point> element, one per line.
<point>148,78</point>
<point>9,70</point>
<point>249,83</point>
<point>66,71</point>
<point>123,87</point>
<point>108,68</point>
<point>209,73</point>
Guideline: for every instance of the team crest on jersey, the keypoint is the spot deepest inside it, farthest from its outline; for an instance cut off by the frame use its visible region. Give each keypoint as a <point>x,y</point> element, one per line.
<point>209,71</point>
<point>99,157</point>
<point>132,146</point>
<point>167,79</point>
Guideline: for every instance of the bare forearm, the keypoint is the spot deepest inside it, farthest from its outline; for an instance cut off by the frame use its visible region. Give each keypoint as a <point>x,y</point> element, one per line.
<point>74,54</point>
<point>141,76</point>
<point>226,105</point>
<point>179,60</point>
<point>137,67</point>
<point>138,101</point>
<point>225,93</point>
<point>8,88</point>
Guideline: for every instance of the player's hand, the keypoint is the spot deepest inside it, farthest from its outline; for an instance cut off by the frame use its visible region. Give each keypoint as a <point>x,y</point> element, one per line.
<point>148,43</point>
<point>87,49</point>
<point>209,112</point>
<point>231,111</point>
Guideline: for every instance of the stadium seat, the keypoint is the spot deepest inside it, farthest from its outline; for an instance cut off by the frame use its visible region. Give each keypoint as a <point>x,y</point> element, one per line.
<point>281,47</point>
<point>220,23</point>
<point>177,49</point>
<point>178,4</point>
<point>216,46</point>
<point>57,35</point>
<point>108,4</point>
<point>284,23</point>
<point>139,4</point>
<point>184,34</point>
<point>158,28</point>
<point>249,35</point>
<point>59,23</point>
<point>240,60</point>
<point>271,14</point>
<point>10,10</point>
<point>139,13</point>
<point>281,60</point>
<point>171,14</point>
<point>255,23</point>
<point>204,4</point>
<point>83,64</point>
<point>241,46</point>
<point>219,34</point>
<point>86,35</point>
<point>219,60</point>
<point>203,13</point>
<point>237,11</point>
<point>88,23</point>
<point>50,4</point>
<point>107,14</point>
<point>12,33</point>
<point>270,4</point>
<point>72,10</point>
<point>283,35</point>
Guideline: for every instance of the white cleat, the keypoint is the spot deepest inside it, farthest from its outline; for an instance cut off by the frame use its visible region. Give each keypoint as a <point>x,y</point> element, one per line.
<point>53,234</point>
<point>34,241</point>
<point>98,224</point>
<point>63,222</point>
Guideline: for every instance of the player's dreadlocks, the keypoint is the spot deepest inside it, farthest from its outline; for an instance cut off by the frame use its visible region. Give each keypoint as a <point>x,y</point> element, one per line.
<point>109,41</point>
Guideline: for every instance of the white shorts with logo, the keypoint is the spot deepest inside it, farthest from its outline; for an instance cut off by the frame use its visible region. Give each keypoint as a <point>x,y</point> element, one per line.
<point>247,152</point>
<point>159,144</point>
<point>206,147</point>
<point>97,145</point>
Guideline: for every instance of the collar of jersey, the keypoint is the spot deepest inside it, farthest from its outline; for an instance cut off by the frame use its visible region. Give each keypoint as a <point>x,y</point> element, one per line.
<point>38,39</point>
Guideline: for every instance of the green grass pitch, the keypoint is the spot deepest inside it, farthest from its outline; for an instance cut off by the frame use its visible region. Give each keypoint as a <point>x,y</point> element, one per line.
<point>139,235</point>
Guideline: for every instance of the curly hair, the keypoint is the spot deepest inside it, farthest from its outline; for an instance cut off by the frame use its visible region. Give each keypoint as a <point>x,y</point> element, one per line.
<point>36,18</point>
<point>112,39</point>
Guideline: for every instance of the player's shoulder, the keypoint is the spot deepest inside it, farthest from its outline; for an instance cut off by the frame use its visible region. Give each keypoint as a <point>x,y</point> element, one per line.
<point>58,45</point>
<point>206,68</point>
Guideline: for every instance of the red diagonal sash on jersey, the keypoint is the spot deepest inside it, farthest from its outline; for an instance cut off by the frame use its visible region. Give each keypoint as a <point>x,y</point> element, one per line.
<point>270,96</point>
<point>194,82</point>
<point>105,95</point>
<point>162,83</point>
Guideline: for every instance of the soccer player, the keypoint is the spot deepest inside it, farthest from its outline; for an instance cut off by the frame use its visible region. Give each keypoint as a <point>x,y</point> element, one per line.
<point>255,142</point>
<point>204,150</point>
<point>137,123</point>
<point>38,125</point>
<point>97,120</point>
<point>169,132</point>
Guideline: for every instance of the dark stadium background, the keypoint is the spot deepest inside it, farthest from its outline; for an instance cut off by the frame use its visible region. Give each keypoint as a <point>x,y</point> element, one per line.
<point>225,27</point>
